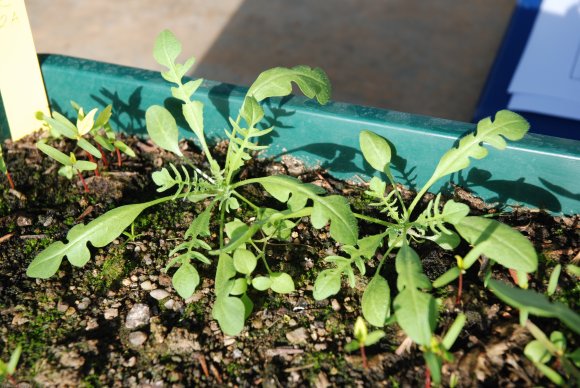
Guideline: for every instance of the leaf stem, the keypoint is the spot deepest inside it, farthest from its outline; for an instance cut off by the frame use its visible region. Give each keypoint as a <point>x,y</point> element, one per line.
<point>83,181</point>
<point>240,196</point>
<point>376,220</point>
<point>10,181</point>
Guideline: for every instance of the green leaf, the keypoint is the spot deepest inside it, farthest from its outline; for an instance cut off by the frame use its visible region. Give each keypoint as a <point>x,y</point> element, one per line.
<point>447,240</point>
<point>537,352</point>
<point>99,232</point>
<point>85,124</point>
<point>376,301</point>
<point>535,304</point>
<point>277,82</point>
<point>225,271</point>
<point>375,149</point>
<point>282,283</point>
<point>416,311</point>
<point>91,149</point>
<point>244,261</point>
<point>454,331</point>
<point>502,244</point>
<point>163,179</point>
<point>185,280</point>
<point>251,111</point>
<point>230,313</point>
<point>507,124</point>
<point>13,362</point>
<point>193,113</point>
<point>185,92</point>
<point>374,336</point>
<point>333,208</point>
<point>327,283</point>
<point>167,48</point>
<point>553,283</point>
<point>61,125</point>
<point>352,346</point>
<point>447,277</point>
<point>84,165</point>
<point>434,363</point>
<point>261,283</point>
<point>54,153</point>
<point>162,128</point>
<point>104,116</point>
<point>239,287</point>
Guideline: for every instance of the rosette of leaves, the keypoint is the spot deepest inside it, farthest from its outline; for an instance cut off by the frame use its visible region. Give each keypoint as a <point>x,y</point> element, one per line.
<point>240,253</point>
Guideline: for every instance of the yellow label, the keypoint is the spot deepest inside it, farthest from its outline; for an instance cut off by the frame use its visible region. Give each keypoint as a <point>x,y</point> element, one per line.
<point>21,83</point>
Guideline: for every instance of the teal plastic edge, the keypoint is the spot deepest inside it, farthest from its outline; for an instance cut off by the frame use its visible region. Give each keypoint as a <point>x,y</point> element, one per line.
<point>539,171</point>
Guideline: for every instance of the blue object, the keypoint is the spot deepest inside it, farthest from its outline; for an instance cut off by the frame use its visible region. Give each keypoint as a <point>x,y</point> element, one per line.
<point>495,96</point>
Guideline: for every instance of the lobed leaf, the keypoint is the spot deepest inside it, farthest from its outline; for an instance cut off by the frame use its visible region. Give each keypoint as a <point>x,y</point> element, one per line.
<point>99,232</point>
<point>277,82</point>
<point>334,208</point>
<point>506,124</point>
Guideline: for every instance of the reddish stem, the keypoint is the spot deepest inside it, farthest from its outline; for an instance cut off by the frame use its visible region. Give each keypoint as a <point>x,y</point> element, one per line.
<point>427,378</point>
<point>105,161</point>
<point>118,156</point>
<point>10,181</point>
<point>459,289</point>
<point>363,355</point>
<point>92,159</point>
<point>83,181</point>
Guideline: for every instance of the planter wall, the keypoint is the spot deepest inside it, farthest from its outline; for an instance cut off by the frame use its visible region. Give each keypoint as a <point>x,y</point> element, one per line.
<point>539,171</point>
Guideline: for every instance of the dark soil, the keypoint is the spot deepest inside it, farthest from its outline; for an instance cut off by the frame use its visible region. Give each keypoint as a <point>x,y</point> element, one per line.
<point>73,326</point>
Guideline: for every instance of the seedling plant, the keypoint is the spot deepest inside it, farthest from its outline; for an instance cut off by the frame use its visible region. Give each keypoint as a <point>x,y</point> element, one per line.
<point>4,170</point>
<point>240,254</point>
<point>87,131</point>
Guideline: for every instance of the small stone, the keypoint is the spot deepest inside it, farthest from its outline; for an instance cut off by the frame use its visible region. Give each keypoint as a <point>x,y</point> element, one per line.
<point>111,313</point>
<point>138,316</point>
<point>298,336</point>
<point>335,305</point>
<point>23,221</point>
<point>134,278</point>
<point>164,280</point>
<point>61,307</point>
<point>84,304</point>
<point>319,347</point>
<point>126,282</point>
<point>169,304</point>
<point>237,353</point>
<point>229,340</point>
<point>147,285</point>
<point>92,324</point>
<point>159,294</point>
<point>72,360</point>
<point>130,362</point>
<point>19,319</point>
<point>137,338</point>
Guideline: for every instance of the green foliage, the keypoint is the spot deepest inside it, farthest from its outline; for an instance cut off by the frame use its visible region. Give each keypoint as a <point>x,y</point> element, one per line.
<point>240,253</point>
<point>7,369</point>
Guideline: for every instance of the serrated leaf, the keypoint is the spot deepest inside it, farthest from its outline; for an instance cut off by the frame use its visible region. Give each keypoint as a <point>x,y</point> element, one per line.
<point>535,303</point>
<point>503,244</point>
<point>376,301</point>
<point>244,261</point>
<point>375,149</point>
<point>334,208</point>
<point>327,283</point>
<point>506,124</point>
<point>54,153</point>
<point>282,283</point>
<point>200,225</point>
<point>187,90</point>
<point>162,128</point>
<point>185,280</point>
<point>230,313</point>
<point>99,232</point>
<point>277,82</point>
<point>163,179</point>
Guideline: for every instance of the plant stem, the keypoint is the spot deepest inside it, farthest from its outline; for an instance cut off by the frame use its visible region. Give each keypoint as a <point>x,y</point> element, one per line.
<point>427,378</point>
<point>92,159</point>
<point>10,181</point>
<point>83,181</point>
<point>459,288</point>
<point>105,161</point>
<point>245,200</point>
<point>375,220</point>
<point>119,161</point>
<point>363,355</point>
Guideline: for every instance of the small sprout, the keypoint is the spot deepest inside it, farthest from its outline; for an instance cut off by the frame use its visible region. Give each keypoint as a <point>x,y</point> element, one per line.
<point>4,170</point>
<point>9,368</point>
<point>363,338</point>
